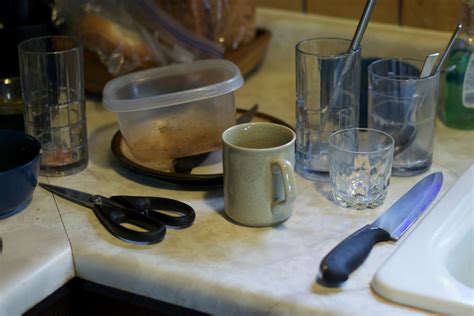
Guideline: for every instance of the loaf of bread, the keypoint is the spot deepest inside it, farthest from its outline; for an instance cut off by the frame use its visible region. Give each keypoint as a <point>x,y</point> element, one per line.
<point>113,42</point>
<point>228,22</point>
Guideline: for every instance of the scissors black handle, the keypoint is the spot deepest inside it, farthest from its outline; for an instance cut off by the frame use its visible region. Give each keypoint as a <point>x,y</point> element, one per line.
<point>113,217</point>
<point>153,206</point>
<point>146,213</point>
<point>143,212</point>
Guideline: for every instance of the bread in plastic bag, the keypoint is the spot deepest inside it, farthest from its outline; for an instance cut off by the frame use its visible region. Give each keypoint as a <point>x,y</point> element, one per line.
<point>130,35</point>
<point>229,22</point>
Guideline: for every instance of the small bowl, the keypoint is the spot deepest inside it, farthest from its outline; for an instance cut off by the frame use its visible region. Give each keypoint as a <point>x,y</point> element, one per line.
<point>19,169</point>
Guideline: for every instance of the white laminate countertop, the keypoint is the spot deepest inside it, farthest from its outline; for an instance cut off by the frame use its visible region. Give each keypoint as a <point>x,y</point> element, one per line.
<point>216,266</point>
<point>36,258</point>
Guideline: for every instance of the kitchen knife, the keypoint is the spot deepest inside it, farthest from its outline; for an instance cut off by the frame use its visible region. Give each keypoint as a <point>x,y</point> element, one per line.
<point>349,254</point>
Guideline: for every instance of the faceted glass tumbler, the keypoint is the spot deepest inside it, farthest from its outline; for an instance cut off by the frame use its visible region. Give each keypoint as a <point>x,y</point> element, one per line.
<point>360,164</point>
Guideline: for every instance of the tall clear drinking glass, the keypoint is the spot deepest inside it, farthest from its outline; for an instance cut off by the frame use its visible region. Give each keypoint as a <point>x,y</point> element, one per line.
<point>52,80</point>
<point>327,100</point>
<point>404,105</point>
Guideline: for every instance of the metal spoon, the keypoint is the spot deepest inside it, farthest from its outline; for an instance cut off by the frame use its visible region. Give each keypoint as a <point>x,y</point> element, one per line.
<point>448,48</point>
<point>428,65</point>
<point>405,136</point>
<point>361,27</point>
<point>355,43</point>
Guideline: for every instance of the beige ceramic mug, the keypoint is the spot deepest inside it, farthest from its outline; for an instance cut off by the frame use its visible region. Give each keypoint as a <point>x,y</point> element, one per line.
<point>259,182</point>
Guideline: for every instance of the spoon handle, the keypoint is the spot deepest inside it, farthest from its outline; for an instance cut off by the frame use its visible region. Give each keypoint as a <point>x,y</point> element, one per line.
<point>428,65</point>
<point>364,20</point>
<point>448,48</point>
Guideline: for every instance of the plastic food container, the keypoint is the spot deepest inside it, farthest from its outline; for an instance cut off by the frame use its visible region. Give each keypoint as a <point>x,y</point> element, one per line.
<point>174,111</point>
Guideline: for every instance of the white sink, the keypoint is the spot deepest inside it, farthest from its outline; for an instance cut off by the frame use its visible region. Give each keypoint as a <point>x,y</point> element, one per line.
<point>434,267</point>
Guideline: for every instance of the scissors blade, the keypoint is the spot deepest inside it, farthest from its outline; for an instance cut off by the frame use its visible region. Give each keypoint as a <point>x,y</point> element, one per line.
<point>75,196</point>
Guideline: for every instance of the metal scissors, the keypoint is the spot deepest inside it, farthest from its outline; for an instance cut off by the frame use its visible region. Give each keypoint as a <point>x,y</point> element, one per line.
<point>141,211</point>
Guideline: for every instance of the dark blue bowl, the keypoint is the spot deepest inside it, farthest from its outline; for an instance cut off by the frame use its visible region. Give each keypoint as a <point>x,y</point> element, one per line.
<point>19,168</point>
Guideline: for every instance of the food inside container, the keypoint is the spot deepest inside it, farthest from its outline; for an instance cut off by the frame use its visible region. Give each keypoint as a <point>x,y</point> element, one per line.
<point>174,111</point>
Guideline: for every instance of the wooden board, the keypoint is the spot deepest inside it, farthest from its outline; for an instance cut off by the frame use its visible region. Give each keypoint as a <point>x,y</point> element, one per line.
<point>247,57</point>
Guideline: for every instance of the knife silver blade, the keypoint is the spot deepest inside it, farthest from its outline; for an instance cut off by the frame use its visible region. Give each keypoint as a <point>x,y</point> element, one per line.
<point>349,254</point>
<point>404,212</point>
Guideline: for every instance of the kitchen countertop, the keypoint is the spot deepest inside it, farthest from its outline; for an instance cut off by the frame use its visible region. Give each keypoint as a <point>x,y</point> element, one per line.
<point>216,266</point>
<point>36,258</point>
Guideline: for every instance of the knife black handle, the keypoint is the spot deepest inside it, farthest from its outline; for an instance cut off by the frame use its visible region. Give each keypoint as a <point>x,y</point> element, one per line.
<point>349,254</point>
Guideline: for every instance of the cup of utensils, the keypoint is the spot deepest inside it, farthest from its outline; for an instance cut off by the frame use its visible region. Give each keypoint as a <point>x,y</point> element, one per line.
<point>259,158</point>
<point>401,113</point>
<point>332,146</point>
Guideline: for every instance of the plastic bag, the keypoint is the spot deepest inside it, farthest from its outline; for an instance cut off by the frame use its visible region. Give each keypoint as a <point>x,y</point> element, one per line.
<point>170,36</point>
<point>129,35</point>
<point>229,22</point>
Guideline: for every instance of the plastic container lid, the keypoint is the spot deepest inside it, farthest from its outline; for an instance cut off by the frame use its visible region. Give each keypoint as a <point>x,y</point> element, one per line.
<point>170,85</point>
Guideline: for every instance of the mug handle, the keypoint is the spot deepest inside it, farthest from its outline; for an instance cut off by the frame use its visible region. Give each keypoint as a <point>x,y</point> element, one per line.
<point>289,183</point>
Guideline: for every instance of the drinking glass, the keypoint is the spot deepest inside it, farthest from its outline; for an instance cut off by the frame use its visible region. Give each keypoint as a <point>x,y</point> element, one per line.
<point>327,100</point>
<point>404,105</point>
<point>51,71</point>
<point>360,166</point>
